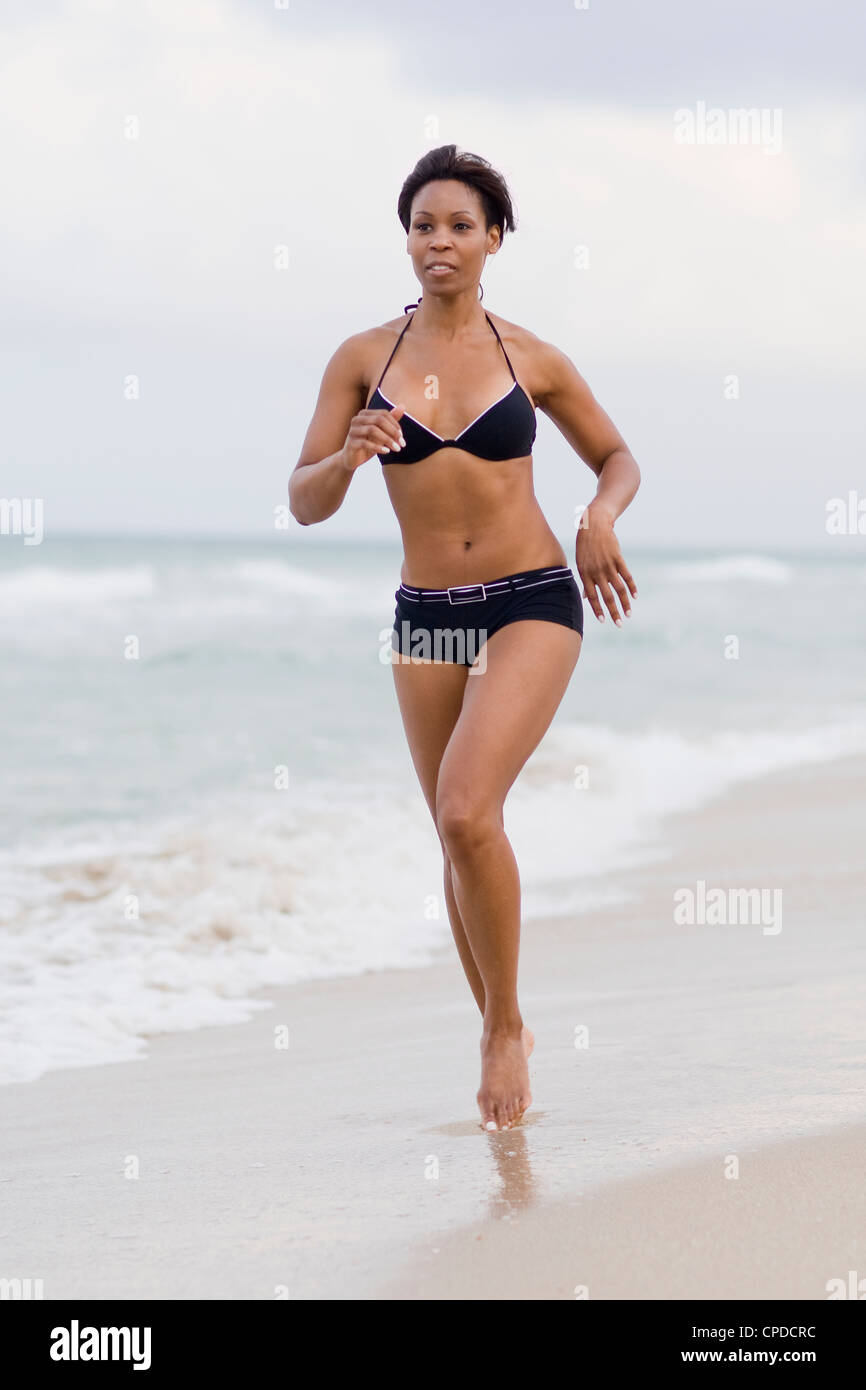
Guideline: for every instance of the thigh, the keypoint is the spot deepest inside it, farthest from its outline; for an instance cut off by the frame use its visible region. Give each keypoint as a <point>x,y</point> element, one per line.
<point>507,709</point>
<point>430,696</point>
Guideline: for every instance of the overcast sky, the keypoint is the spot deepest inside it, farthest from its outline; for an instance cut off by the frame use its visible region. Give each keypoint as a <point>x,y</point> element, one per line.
<point>260,126</point>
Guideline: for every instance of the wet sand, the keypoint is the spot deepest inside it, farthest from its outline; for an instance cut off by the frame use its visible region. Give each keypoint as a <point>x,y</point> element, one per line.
<point>350,1163</point>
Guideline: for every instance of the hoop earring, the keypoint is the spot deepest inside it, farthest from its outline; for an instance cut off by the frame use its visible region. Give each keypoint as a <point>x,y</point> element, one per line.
<point>481,295</point>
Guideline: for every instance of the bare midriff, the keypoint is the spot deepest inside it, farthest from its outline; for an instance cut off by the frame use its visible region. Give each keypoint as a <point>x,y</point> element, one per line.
<point>468,520</point>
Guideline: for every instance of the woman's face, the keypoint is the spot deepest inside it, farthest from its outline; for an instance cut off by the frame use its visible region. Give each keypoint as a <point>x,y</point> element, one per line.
<point>447,226</point>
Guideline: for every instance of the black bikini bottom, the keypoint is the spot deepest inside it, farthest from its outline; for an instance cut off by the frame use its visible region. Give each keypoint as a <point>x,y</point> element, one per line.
<point>454,624</point>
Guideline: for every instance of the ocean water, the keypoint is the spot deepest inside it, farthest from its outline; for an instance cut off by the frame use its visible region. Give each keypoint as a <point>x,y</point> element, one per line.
<point>208,789</point>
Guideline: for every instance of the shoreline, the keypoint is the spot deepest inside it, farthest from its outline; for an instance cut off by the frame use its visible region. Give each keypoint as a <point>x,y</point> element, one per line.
<point>223,1164</point>
<point>781,1221</point>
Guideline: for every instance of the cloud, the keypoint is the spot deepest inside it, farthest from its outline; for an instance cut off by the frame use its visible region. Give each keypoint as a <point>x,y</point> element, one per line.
<point>261,128</point>
<point>256,135</point>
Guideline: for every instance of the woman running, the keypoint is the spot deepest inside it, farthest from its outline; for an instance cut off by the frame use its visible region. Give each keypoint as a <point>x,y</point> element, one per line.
<point>486,590</point>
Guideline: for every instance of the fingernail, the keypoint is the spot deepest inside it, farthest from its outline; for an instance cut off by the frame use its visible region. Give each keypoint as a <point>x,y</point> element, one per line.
<point>628,612</point>
<point>402,442</point>
<point>491,1124</point>
<point>618,622</point>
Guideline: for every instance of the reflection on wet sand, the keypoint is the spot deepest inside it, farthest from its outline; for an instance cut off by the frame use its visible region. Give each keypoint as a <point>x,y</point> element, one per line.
<point>517,1187</point>
<point>518,1190</point>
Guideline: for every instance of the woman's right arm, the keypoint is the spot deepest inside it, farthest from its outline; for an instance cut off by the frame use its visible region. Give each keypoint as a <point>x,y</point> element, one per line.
<point>342,435</point>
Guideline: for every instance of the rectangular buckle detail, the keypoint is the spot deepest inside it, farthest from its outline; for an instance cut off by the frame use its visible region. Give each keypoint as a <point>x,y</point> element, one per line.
<point>461,589</point>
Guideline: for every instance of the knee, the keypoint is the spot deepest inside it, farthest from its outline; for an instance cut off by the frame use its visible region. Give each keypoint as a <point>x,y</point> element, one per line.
<point>465,822</point>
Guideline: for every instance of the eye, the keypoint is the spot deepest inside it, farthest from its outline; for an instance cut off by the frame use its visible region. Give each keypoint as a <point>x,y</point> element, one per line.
<point>420,226</point>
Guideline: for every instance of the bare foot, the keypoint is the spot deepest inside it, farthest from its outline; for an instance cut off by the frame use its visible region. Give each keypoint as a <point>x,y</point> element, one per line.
<point>504,1092</point>
<point>528,1041</point>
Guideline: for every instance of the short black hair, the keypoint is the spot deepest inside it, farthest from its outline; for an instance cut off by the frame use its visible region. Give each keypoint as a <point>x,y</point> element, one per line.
<point>448,162</point>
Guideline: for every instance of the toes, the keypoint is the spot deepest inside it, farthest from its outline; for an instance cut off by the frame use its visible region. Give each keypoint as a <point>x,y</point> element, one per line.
<point>488,1118</point>
<point>523,1105</point>
<point>502,1114</point>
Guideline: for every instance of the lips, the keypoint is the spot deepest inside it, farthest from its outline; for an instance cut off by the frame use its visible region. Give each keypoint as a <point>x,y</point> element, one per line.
<point>440,265</point>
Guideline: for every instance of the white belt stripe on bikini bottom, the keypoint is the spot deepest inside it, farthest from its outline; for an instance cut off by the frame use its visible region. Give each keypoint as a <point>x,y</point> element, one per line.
<point>498,585</point>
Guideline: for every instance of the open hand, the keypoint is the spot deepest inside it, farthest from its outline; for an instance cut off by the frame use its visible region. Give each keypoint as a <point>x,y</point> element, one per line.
<point>600,565</point>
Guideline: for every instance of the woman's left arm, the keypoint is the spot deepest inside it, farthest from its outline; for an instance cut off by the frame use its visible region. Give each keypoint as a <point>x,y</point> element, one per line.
<point>565,397</point>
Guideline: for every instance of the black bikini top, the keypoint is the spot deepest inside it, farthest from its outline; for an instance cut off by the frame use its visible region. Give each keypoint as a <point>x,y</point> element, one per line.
<point>505,430</point>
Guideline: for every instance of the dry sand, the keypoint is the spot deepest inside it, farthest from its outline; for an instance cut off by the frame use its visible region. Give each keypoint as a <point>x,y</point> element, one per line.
<point>787,1221</point>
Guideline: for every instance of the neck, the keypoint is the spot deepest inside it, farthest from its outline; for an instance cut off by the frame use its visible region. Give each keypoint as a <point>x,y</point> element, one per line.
<point>450,316</point>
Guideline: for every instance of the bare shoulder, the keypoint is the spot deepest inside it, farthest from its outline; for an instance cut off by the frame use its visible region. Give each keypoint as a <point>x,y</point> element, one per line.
<point>346,378</point>
<point>344,389</point>
<point>365,352</point>
<point>539,365</point>
<point>352,353</point>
